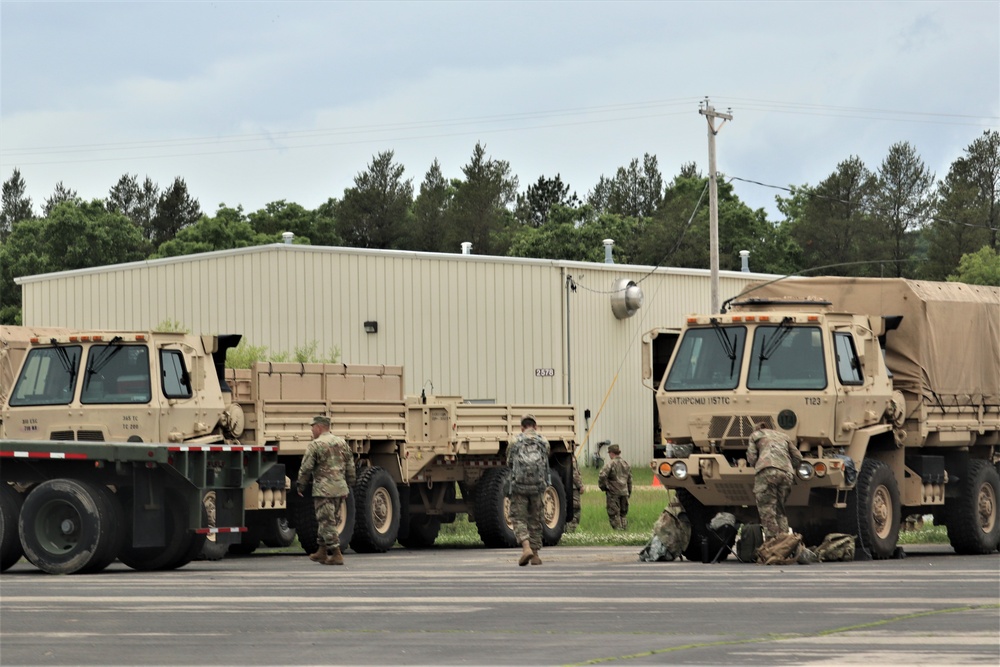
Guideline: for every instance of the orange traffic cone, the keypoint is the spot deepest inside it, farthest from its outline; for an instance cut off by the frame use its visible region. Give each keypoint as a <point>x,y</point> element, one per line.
<point>656,481</point>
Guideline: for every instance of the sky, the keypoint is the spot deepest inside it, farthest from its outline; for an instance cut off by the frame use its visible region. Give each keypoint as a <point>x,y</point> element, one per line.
<point>255,102</point>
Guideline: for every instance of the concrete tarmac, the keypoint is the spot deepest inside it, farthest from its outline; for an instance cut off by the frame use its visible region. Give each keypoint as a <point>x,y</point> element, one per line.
<point>584,605</point>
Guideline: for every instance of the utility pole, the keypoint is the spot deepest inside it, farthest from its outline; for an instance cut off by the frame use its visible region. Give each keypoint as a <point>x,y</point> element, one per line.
<point>710,115</point>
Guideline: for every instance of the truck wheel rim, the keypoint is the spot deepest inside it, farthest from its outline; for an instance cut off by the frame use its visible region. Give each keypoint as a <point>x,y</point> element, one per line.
<point>381,510</point>
<point>987,507</point>
<point>58,527</point>
<point>881,512</point>
<point>550,507</point>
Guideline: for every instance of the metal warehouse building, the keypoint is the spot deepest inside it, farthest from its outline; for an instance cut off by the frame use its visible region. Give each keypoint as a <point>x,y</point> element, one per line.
<point>490,329</point>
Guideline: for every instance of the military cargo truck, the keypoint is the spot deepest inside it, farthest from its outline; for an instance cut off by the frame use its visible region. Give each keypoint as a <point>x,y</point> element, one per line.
<point>889,387</point>
<point>100,462</point>
<point>422,460</point>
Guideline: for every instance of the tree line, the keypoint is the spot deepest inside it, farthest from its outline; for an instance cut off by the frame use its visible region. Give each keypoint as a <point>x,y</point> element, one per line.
<point>897,219</point>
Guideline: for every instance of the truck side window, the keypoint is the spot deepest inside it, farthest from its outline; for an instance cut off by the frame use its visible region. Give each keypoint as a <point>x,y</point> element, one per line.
<point>48,376</point>
<point>848,364</point>
<point>176,381</point>
<point>116,373</point>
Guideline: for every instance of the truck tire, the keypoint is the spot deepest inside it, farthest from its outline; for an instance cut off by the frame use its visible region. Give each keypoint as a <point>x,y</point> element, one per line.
<point>304,515</point>
<point>211,550</point>
<point>181,544</point>
<point>554,512</point>
<point>873,511</point>
<point>116,530</point>
<point>249,542</point>
<point>492,509</point>
<point>10,539</point>
<point>423,532</point>
<point>377,512</point>
<point>276,533</point>
<point>699,516</point>
<point>973,522</point>
<point>65,527</point>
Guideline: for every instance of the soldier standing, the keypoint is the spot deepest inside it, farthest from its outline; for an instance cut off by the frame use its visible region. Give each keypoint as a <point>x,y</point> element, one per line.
<point>574,520</point>
<point>528,458</point>
<point>329,465</point>
<point>775,459</point>
<point>616,482</point>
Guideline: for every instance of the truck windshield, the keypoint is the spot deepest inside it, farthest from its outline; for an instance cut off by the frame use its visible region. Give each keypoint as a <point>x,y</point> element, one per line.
<point>787,357</point>
<point>48,376</point>
<point>116,373</point>
<point>707,359</point>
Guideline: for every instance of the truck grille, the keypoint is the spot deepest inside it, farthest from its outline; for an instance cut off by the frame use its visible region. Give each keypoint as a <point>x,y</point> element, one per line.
<point>734,430</point>
<point>88,436</point>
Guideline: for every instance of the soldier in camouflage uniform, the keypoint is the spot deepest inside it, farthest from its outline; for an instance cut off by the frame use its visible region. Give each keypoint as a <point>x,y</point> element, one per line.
<point>526,506</point>
<point>574,520</point>
<point>329,465</point>
<point>616,482</point>
<point>775,458</point>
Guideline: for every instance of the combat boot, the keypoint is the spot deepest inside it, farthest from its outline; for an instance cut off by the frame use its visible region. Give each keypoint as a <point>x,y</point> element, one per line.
<point>320,554</point>
<point>526,553</point>
<point>535,560</point>
<point>335,557</point>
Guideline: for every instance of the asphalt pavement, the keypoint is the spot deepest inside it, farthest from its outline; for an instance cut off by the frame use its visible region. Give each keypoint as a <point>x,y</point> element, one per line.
<point>584,605</point>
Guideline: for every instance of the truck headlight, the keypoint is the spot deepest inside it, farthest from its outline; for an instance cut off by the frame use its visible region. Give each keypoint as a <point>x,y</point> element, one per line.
<point>806,470</point>
<point>680,470</point>
<point>664,469</point>
<point>820,469</point>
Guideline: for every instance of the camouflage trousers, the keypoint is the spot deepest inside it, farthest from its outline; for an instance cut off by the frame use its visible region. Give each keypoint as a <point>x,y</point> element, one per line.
<point>617,511</point>
<point>327,520</point>
<point>526,518</point>
<point>574,520</point>
<point>771,488</point>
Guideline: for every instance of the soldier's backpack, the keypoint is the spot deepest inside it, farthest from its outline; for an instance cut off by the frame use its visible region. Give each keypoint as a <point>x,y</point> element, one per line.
<point>671,534</point>
<point>836,547</point>
<point>750,539</point>
<point>530,468</point>
<point>781,550</point>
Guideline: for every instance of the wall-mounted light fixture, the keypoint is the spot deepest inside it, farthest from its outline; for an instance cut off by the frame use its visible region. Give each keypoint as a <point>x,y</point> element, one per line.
<point>371,326</point>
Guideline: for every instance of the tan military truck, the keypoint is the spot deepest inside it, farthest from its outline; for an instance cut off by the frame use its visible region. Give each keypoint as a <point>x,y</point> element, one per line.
<point>108,451</point>
<point>889,387</point>
<point>422,460</point>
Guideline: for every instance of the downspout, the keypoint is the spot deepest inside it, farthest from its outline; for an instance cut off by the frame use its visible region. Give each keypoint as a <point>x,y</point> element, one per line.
<point>568,393</point>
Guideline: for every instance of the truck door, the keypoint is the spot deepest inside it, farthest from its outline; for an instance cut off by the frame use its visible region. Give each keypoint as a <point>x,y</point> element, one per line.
<point>851,394</point>
<point>182,415</point>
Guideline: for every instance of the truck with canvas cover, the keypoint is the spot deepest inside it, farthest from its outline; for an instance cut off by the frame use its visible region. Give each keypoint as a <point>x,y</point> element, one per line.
<point>889,387</point>
<point>422,460</point>
<point>108,449</point>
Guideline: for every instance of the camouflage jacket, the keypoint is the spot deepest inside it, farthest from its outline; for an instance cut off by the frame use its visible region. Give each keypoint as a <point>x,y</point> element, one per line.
<point>329,465</point>
<point>616,477</point>
<point>772,449</point>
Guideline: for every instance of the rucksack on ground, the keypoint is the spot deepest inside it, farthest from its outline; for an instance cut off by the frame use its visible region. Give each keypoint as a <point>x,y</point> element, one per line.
<point>530,468</point>
<point>836,547</point>
<point>781,550</point>
<point>671,534</point>
<point>750,538</point>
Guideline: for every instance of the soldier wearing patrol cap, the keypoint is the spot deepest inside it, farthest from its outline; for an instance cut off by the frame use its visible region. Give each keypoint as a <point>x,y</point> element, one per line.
<point>329,465</point>
<point>616,482</point>
<point>528,459</point>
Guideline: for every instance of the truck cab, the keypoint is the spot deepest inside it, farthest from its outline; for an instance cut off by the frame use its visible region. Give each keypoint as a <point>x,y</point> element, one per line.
<point>116,387</point>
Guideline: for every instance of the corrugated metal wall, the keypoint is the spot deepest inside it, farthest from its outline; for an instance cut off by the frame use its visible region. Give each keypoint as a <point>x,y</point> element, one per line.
<point>481,327</point>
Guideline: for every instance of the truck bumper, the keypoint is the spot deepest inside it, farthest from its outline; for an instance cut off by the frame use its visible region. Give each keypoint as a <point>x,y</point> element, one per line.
<point>716,482</point>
